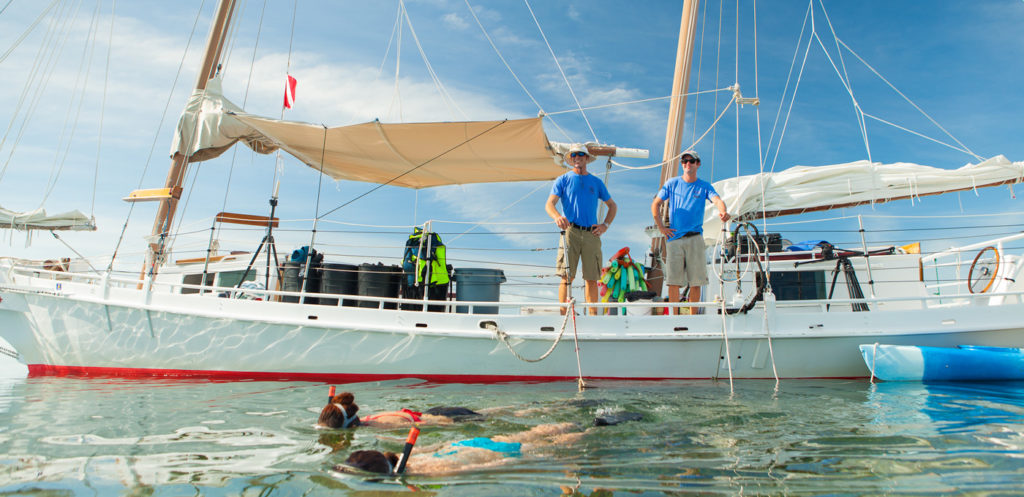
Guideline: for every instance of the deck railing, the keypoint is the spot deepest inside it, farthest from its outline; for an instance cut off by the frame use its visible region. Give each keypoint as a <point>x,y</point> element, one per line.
<point>940,264</point>
<point>61,281</point>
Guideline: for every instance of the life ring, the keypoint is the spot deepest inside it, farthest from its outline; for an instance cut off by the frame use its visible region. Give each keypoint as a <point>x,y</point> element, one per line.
<point>983,271</point>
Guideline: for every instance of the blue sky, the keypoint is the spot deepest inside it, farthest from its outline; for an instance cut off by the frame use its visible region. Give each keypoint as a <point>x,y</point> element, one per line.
<point>959,61</point>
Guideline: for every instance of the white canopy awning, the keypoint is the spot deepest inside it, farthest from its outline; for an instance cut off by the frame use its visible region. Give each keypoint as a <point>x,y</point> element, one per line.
<point>803,189</point>
<point>416,155</point>
<point>38,220</point>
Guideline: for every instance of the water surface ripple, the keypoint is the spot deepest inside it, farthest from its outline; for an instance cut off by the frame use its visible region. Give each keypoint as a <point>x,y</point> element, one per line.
<point>108,436</point>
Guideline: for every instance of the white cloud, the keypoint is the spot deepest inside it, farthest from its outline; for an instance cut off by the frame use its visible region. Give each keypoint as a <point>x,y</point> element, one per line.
<point>573,13</point>
<point>455,21</point>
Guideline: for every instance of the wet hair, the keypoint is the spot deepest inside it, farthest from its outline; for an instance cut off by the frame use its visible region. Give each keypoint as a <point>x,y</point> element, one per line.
<point>340,412</point>
<point>373,461</point>
<point>617,417</point>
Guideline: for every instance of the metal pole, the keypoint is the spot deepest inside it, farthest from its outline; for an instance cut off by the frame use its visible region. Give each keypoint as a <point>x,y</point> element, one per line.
<point>867,257</point>
<point>430,262</point>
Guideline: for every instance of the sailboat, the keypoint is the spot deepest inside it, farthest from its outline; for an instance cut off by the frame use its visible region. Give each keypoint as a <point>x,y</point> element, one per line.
<point>198,317</point>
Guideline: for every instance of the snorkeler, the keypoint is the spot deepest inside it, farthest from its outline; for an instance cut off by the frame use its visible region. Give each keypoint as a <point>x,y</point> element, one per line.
<point>340,412</point>
<point>463,455</point>
<point>474,453</point>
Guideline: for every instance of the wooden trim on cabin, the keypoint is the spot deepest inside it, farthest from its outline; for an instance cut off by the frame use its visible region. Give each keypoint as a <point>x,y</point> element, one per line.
<point>216,258</point>
<point>246,219</point>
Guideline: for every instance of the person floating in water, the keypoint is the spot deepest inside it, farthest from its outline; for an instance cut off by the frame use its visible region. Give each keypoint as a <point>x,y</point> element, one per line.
<point>464,455</point>
<point>341,411</point>
<point>479,452</point>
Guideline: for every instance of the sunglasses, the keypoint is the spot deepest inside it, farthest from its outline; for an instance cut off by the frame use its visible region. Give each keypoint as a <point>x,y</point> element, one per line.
<point>577,154</point>
<point>687,161</point>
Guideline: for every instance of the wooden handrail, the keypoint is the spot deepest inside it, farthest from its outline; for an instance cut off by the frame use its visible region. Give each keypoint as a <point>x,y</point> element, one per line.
<point>246,219</point>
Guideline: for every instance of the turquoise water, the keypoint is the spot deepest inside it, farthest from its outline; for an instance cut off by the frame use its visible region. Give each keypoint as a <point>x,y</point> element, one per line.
<point>88,436</point>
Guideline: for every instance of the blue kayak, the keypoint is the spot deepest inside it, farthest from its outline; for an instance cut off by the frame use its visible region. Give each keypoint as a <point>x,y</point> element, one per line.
<point>961,363</point>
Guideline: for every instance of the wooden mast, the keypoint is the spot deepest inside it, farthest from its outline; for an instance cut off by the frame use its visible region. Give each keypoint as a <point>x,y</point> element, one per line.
<point>176,174</point>
<point>674,131</point>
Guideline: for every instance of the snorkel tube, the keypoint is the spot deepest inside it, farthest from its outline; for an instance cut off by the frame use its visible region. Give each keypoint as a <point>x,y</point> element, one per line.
<point>330,394</point>
<point>410,441</point>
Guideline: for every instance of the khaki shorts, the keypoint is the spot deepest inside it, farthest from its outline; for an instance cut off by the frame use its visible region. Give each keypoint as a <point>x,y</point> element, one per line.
<point>585,246</point>
<point>685,264</point>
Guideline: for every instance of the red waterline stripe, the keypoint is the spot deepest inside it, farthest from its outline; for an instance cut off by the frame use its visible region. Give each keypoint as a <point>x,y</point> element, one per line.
<point>51,370</point>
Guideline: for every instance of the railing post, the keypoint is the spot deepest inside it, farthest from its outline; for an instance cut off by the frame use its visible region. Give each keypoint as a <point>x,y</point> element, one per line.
<point>867,257</point>
<point>430,262</point>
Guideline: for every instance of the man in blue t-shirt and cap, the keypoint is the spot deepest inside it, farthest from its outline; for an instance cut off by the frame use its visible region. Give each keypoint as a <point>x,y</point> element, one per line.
<point>579,193</point>
<point>684,247</point>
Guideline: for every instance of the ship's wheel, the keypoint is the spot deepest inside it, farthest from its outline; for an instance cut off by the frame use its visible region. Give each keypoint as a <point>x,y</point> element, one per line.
<point>983,270</point>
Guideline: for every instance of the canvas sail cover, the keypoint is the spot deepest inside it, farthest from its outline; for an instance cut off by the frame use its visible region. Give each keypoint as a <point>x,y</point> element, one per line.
<point>807,189</point>
<point>39,220</point>
<point>416,155</point>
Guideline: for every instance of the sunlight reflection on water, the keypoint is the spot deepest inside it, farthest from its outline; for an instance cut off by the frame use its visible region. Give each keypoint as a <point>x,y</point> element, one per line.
<point>239,437</point>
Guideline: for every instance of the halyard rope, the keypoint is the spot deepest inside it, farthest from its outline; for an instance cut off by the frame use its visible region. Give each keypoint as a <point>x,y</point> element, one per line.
<point>725,337</point>
<point>576,341</point>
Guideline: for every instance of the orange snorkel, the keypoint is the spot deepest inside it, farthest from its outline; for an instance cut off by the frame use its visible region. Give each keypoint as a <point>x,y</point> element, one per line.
<point>410,441</point>
<point>330,394</point>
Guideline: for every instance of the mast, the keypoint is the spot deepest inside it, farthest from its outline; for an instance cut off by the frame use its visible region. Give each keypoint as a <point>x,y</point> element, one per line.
<point>674,131</point>
<point>179,163</point>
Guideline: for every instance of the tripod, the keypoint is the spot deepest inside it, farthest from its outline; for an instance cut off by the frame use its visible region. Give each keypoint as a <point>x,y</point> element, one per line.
<point>268,241</point>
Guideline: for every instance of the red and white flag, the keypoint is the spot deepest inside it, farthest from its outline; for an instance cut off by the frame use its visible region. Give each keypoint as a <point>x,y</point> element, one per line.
<point>289,92</point>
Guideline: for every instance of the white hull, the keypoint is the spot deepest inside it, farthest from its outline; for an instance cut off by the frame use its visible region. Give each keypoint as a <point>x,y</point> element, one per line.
<point>71,327</point>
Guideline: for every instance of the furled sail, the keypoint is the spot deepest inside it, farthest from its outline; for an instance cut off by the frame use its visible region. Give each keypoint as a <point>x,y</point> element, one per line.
<point>416,155</point>
<point>39,220</point>
<point>803,189</point>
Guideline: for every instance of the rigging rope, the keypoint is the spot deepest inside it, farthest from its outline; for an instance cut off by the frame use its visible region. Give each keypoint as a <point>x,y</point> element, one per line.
<point>445,96</point>
<point>230,39</point>
<point>845,77</point>
<point>694,144</point>
<point>785,87</point>
<point>958,149</point>
<point>792,100</point>
<point>540,108</point>
<point>640,101</point>
<point>849,90</point>
<point>163,116</point>
<point>245,100</point>
<point>909,101</point>
<point>398,66</point>
<point>44,62</point>
<point>557,64</point>
<point>28,30</point>
<point>428,161</point>
<point>86,62</point>
<point>103,108</point>
<point>700,67</point>
<point>492,216</point>
<point>718,70</point>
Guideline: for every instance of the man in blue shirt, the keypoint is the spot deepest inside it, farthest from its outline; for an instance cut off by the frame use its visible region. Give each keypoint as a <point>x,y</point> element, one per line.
<point>684,247</point>
<point>579,193</point>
